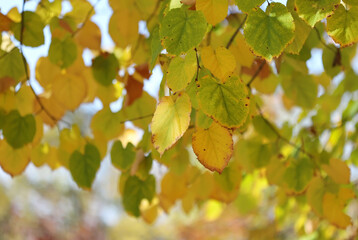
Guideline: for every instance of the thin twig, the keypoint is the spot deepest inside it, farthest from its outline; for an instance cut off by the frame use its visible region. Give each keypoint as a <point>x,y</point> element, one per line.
<point>255,74</point>
<point>323,42</point>
<point>136,118</point>
<point>27,70</point>
<point>197,65</point>
<point>236,32</point>
<point>279,136</point>
<point>154,12</point>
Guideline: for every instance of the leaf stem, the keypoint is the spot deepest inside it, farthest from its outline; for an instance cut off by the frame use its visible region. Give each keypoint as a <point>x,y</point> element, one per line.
<point>256,74</point>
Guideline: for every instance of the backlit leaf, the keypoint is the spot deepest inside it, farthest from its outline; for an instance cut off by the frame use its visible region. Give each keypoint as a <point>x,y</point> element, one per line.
<point>33,35</point>
<point>313,11</point>
<point>171,120</point>
<point>268,33</point>
<point>181,71</point>
<point>226,102</point>
<point>182,30</point>
<point>342,25</point>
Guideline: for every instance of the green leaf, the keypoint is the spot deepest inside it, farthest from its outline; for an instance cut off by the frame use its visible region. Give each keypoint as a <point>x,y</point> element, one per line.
<point>351,2</point>
<point>155,46</point>
<point>350,111</point>
<point>302,31</point>
<point>105,68</point>
<point>342,25</point>
<point>301,89</point>
<point>182,29</point>
<point>10,65</point>
<point>268,33</point>
<point>181,71</point>
<point>33,35</point>
<point>252,153</point>
<point>18,130</point>
<point>299,174</point>
<point>313,11</point>
<point>247,5</point>
<point>63,52</point>
<point>135,190</point>
<point>122,158</point>
<point>83,167</point>
<point>226,102</point>
<point>171,120</point>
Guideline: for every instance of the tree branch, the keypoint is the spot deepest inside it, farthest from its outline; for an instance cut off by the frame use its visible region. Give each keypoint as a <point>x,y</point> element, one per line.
<point>279,136</point>
<point>236,32</point>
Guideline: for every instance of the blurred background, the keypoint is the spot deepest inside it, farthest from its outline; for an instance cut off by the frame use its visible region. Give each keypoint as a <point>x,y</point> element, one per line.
<point>44,203</point>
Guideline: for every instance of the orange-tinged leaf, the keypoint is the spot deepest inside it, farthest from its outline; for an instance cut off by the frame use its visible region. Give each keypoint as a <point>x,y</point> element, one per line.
<point>134,90</point>
<point>338,171</point>
<point>5,23</point>
<point>14,161</point>
<point>89,36</point>
<point>6,83</point>
<point>213,146</point>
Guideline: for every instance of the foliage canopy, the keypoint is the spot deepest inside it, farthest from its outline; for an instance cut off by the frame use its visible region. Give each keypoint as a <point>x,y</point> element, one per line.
<point>229,68</point>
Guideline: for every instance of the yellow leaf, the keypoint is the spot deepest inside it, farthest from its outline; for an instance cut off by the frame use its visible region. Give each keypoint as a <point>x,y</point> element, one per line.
<point>213,146</point>
<point>7,100</point>
<point>43,154</point>
<point>333,207</point>
<point>14,161</point>
<point>39,131</point>
<point>170,121</point>
<point>89,36</point>
<point>338,171</point>
<point>149,212</point>
<point>110,93</point>
<point>54,111</point>
<point>173,187</point>
<point>214,10</point>
<point>243,55</point>
<point>220,61</point>
<point>69,90</point>
<point>123,25</point>
<point>25,100</point>
<point>46,72</point>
